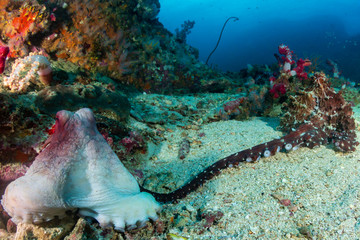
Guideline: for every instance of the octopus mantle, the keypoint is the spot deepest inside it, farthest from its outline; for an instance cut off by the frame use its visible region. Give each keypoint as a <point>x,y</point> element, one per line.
<point>78,170</point>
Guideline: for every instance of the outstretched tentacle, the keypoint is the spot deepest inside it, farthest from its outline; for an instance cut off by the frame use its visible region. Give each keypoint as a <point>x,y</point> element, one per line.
<point>306,135</point>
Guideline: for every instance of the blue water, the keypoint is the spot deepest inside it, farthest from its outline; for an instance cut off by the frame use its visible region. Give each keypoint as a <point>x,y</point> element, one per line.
<point>311,28</point>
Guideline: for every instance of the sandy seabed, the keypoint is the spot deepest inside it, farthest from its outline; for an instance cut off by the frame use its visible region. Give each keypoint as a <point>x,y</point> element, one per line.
<point>303,194</point>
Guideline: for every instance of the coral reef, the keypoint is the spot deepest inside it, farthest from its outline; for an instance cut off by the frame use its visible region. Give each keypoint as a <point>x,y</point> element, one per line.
<point>22,129</point>
<point>277,90</point>
<point>109,38</point>
<point>148,9</point>
<point>20,21</point>
<point>90,37</point>
<point>184,31</point>
<point>107,56</point>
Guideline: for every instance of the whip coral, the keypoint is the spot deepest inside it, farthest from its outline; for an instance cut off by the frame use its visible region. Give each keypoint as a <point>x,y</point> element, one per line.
<point>217,44</point>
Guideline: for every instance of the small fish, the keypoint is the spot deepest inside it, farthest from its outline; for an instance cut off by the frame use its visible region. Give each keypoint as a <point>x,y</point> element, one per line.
<point>172,236</point>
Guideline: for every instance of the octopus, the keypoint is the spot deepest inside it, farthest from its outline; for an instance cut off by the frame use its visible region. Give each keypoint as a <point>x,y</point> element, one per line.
<point>326,118</point>
<point>77,170</point>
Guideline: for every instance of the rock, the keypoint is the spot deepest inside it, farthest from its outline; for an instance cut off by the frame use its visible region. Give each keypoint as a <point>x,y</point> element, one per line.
<point>4,235</point>
<point>2,225</point>
<point>48,231</point>
<point>84,230</point>
<point>11,226</point>
<point>72,97</point>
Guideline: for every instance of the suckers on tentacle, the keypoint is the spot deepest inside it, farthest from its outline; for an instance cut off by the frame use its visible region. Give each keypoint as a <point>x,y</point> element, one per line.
<point>306,135</point>
<point>320,116</point>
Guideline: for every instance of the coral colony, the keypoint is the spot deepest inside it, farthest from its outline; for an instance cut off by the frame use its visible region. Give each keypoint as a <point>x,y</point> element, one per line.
<point>185,30</point>
<point>29,66</point>
<point>4,51</point>
<point>288,61</point>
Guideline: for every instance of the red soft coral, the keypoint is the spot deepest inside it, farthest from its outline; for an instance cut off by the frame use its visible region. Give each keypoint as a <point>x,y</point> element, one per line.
<point>300,65</point>
<point>278,89</point>
<point>23,23</point>
<point>4,51</point>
